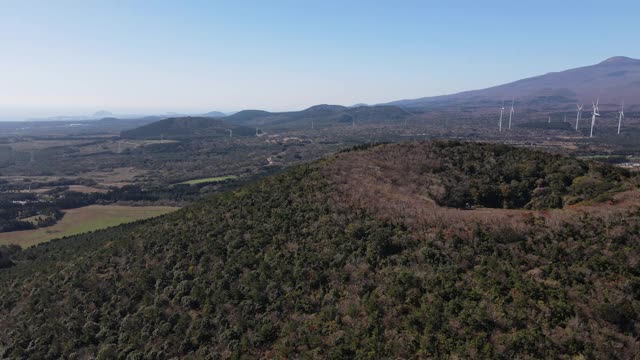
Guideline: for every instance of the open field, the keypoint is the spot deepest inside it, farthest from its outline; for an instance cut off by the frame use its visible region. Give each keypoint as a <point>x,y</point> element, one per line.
<point>89,218</point>
<point>209,180</point>
<point>86,189</point>
<point>77,188</point>
<point>118,177</point>
<point>31,145</point>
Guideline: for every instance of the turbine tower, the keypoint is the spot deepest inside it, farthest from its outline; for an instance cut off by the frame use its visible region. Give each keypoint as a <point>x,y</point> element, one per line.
<point>511,112</point>
<point>501,112</point>
<point>594,114</point>
<point>621,115</point>
<point>579,115</point>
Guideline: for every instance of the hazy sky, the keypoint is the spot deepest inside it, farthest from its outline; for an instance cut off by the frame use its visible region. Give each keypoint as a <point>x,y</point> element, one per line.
<point>77,57</point>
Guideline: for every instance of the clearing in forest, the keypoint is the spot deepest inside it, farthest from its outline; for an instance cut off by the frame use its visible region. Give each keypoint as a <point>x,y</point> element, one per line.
<point>84,219</point>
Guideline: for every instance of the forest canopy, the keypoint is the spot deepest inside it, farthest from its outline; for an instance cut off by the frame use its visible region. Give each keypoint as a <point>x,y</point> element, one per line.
<point>299,264</point>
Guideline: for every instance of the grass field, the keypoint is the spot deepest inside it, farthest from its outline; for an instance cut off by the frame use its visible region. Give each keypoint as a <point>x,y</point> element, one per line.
<point>209,180</point>
<point>86,189</point>
<point>77,221</point>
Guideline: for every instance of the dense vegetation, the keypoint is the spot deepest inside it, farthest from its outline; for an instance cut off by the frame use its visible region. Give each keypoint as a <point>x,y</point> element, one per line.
<point>46,208</point>
<point>321,116</point>
<point>285,267</point>
<point>171,162</point>
<point>17,206</point>
<point>498,176</point>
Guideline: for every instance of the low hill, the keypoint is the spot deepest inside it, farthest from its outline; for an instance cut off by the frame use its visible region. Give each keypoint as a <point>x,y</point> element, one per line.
<point>321,116</point>
<point>362,255</point>
<point>245,122</point>
<point>182,127</point>
<point>214,114</point>
<point>613,80</point>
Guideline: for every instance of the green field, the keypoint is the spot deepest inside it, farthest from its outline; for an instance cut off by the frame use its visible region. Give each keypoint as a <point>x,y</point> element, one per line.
<point>209,180</point>
<point>88,218</point>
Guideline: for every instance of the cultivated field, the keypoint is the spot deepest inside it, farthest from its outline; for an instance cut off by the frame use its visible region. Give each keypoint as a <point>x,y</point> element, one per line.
<point>209,180</point>
<point>89,218</point>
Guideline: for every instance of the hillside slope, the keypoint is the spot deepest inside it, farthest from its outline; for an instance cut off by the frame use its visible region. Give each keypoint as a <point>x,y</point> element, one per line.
<point>181,127</point>
<point>348,258</point>
<point>320,116</point>
<point>612,80</point>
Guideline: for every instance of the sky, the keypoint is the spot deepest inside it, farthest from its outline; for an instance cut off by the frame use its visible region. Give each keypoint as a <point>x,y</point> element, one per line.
<point>68,57</point>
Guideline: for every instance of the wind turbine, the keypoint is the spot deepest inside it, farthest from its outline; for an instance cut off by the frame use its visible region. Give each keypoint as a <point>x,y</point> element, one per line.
<point>579,115</point>
<point>621,115</point>
<point>511,112</point>
<point>501,112</point>
<point>594,114</point>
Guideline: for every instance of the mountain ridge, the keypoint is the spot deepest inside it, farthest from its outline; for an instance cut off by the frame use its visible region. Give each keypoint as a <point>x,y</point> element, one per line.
<point>320,115</point>
<point>612,81</point>
<point>187,127</point>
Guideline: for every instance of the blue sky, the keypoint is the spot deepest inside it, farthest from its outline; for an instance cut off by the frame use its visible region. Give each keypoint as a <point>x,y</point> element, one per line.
<point>77,57</point>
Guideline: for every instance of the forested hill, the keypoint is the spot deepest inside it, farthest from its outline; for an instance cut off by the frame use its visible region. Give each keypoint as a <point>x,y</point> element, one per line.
<point>363,255</point>
<point>248,122</point>
<point>187,127</point>
<point>320,116</point>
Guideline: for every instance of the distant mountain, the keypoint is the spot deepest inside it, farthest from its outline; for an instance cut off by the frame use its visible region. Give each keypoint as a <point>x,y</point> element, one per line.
<point>109,125</point>
<point>612,80</point>
<point>321,115</point>
<point>244,122</point>
<point>123,124</point>
<point>215,114</point>
<point>95,116</point>
<point>181,127</point>
<point>102,114</point>
<point>98,115</point>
